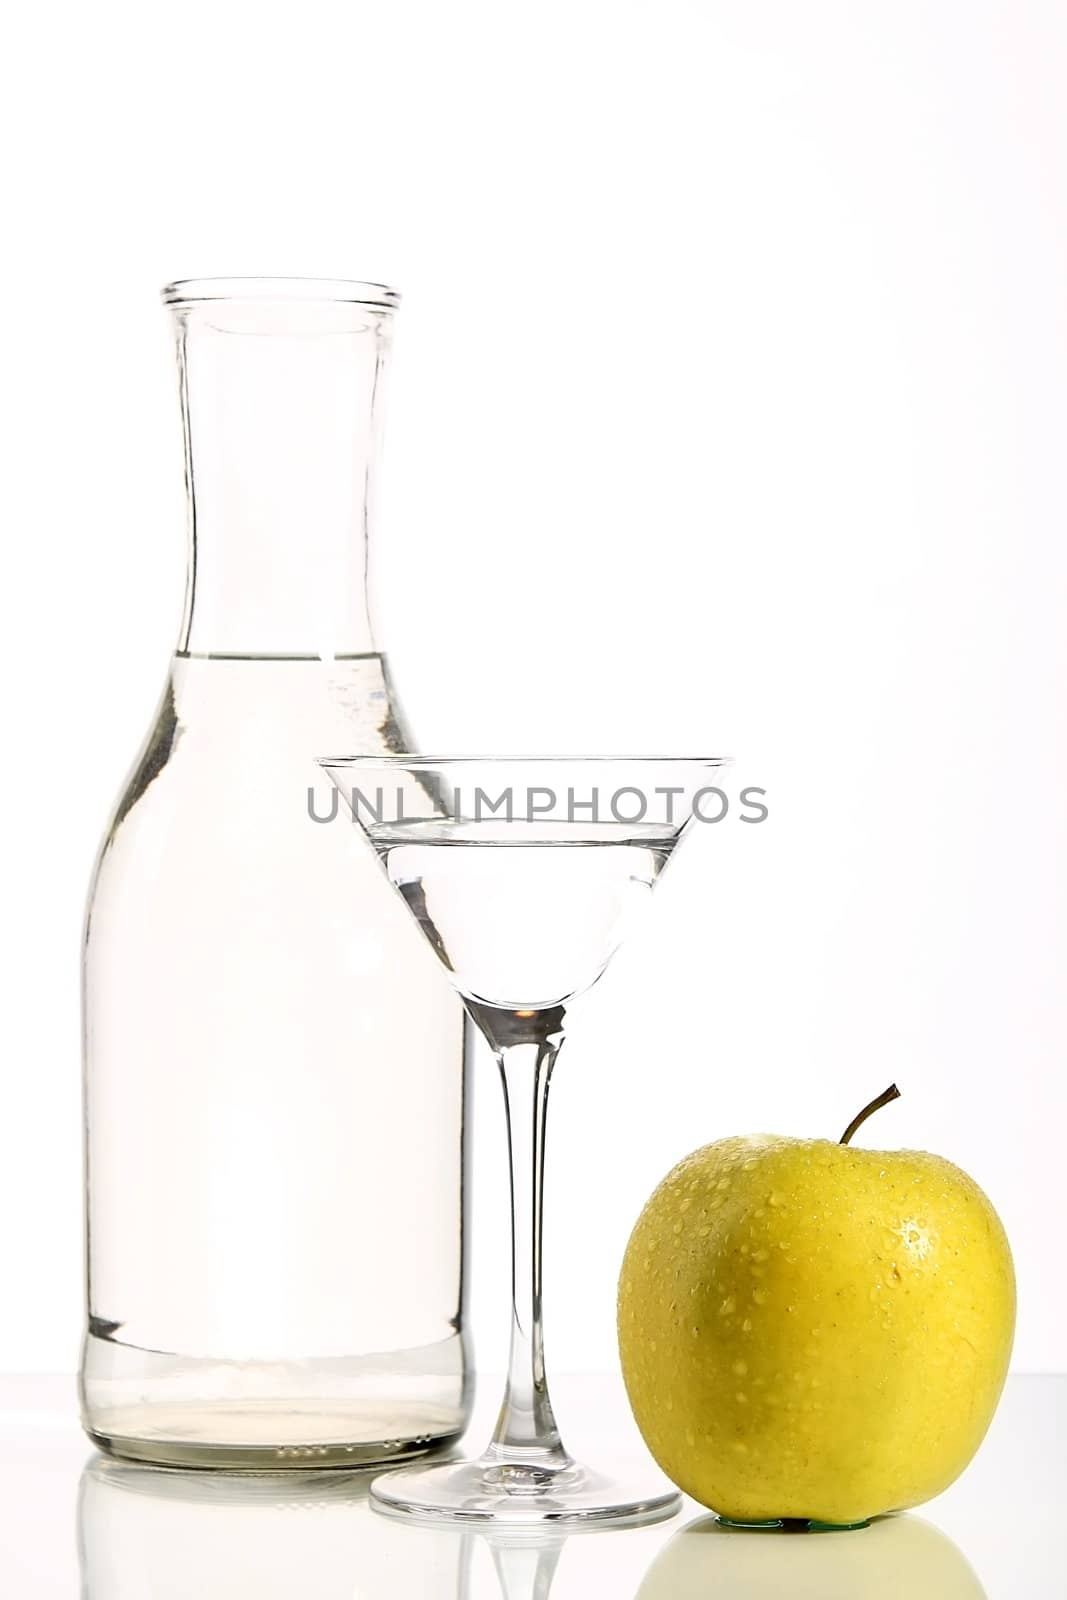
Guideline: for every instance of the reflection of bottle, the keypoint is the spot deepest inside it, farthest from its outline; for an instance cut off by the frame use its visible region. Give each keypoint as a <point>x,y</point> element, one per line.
<point>171,1535</point>
<point>274,1083</point>
<point>895,1557</point>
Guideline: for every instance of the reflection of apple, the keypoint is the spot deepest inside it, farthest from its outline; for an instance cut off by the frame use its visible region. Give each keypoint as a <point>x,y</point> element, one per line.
<point>813,1331</point>
<point>894,1557</point>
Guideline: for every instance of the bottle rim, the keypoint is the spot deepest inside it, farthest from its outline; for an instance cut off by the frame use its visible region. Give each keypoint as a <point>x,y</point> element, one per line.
<point>336,291</point>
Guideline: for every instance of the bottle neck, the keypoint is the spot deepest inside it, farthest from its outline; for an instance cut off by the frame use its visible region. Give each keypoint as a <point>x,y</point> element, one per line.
<point>280,407</point>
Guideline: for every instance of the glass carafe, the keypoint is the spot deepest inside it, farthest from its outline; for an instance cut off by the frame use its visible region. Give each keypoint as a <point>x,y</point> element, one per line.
<point>274,1076</point>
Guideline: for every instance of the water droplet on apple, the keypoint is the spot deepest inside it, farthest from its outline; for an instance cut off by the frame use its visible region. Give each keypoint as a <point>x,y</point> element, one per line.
<point>740,1368</point>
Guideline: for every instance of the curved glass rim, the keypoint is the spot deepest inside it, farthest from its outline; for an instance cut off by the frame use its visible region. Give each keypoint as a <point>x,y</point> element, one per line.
<point>398,760</point>
<point>343,291</point>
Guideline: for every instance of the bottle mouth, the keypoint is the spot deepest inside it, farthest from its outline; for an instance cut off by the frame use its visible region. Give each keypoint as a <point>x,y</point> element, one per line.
<point>314,291</point>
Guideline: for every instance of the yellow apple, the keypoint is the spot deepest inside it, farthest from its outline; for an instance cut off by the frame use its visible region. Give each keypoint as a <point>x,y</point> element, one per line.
<point>813,1331</point>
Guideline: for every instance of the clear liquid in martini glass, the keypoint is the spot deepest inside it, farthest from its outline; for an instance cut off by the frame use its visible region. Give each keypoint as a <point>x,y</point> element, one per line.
<point>525,914</point>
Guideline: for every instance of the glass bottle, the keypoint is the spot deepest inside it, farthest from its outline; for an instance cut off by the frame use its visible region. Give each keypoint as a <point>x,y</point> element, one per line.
<point>274,1078</point>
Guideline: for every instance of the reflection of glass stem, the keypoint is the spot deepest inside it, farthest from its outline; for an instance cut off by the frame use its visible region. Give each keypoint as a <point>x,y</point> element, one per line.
<point>526,1574</point>
<point>525,1566</point>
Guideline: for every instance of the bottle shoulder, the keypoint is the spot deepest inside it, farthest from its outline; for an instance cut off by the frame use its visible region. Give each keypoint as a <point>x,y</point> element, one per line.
<point>234,746</point>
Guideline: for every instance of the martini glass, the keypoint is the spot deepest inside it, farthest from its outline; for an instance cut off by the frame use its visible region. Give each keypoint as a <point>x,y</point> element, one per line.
<point>524,875</point>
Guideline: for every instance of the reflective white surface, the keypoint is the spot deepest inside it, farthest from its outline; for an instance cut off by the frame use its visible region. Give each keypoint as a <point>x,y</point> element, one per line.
<point>71,1522</point>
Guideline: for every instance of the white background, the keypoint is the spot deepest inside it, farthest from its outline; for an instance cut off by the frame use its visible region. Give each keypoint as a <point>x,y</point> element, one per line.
<point>727,413</point>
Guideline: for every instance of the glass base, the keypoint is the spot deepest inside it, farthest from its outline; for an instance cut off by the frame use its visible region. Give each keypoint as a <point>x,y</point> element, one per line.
<point>520,1496</point>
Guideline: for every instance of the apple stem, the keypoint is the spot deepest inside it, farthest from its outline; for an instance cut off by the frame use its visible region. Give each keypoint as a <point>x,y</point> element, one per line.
<point>892,1093</point>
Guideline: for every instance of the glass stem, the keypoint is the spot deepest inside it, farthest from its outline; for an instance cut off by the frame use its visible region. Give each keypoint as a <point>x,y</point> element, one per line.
<point>526,1433</point>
